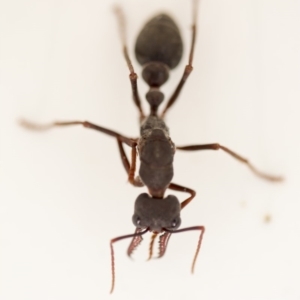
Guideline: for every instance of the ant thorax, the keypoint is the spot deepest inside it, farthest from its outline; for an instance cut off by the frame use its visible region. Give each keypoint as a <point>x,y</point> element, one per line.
<point>156,155</point>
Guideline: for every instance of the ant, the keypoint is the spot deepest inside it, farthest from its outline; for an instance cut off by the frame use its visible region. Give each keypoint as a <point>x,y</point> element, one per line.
<point>158,50</point>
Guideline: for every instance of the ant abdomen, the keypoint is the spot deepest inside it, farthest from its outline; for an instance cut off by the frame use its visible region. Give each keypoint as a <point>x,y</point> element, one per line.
<point>158,49</point>
<point>159,41</point>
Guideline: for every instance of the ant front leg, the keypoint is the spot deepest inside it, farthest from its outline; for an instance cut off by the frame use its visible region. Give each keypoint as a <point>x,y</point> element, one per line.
<point>233,154</point>
<point>179,188</point>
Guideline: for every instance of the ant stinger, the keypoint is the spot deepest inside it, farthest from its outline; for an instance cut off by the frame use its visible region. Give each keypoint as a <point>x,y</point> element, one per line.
<point>158,50</point>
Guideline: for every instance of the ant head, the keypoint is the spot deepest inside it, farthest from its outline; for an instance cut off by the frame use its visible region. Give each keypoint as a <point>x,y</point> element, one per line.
<point>157,214</point>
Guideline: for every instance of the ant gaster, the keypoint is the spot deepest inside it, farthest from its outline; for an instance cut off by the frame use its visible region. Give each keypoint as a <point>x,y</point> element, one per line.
<point>158,50</point>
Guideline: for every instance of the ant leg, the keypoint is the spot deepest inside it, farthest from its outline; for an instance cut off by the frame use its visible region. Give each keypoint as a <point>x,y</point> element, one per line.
<point>120,139</point>
<point>124,158</point>
<point>132,76</point>
<point>133,165</point>
<point>130,169</point>
<point>188,68</point>
<point>163,240</point>
<point>41,127</point>
<point>136,181</point>
<point>233,154</point>
<point>180,188</point>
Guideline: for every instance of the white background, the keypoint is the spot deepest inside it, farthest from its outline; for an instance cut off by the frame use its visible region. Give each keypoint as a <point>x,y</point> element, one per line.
<point>64,193</point>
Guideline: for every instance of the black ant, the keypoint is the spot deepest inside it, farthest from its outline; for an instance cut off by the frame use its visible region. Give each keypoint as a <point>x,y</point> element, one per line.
<point>158,50</point>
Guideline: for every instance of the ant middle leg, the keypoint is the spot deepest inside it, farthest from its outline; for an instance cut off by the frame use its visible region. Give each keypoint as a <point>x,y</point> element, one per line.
<point>217,146</point>
<point>188,68</point>
<point>132,76</point>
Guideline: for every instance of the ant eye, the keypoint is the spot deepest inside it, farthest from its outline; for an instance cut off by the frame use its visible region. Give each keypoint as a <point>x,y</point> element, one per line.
<point>136,220</point>
<point>175,223</point>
